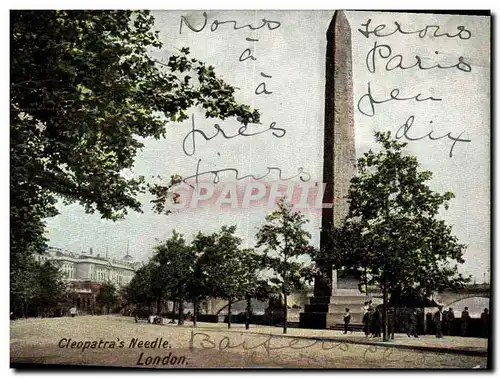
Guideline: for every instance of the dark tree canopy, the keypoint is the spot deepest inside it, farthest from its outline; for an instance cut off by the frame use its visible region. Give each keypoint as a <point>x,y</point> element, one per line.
<point>393,232</point>
<point>145,288</point>
<point>395,214</point>
<point>36,290</point>
<point>84,90</point>
<point>107,296</point>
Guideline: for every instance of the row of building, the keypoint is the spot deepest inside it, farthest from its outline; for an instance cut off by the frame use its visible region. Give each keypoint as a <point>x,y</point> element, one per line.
<point>85,273</point>
<point>89,267</point>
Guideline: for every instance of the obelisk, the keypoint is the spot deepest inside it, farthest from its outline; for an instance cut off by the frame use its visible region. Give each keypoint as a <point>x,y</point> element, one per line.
<point>338,167</point>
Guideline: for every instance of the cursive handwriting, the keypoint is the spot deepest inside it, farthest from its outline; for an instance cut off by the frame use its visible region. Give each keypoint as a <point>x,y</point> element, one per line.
<point>271,25</point>
<point>302,175</point>
<point>396,61</point>
<point>189,141</point>
<point>366,103</point>
<point>372,353</point>
<point>205,342</point>
<point>404,129</point>
<point>463,33</point>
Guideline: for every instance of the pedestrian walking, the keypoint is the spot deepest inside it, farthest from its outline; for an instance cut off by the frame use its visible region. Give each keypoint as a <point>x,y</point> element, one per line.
<point>438,320</point>
<point>347,320</point>
<point>485,323</point>
<point>465,321</point>
<point>450,319</point>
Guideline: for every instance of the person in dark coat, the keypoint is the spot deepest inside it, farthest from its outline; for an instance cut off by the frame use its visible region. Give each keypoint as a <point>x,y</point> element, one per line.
<point>450,319</point>
<point>465,321</point>
<point>438,320</point>
<point>412,323</point>
<point>347,320</point>
<point>485,323</point>
<point>376,322</point>
<point>367,318</point>
<point>391,322</point>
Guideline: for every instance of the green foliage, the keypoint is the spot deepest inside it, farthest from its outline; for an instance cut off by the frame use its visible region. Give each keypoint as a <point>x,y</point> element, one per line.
<point>221,266</point>
<point>85,89</point>
<point>51,286</point>
<point>393,226</point>
<point>35,288</point>
<point>392,233</point>
<point>145,287</point>
<point>212,265</point>
<point>285,241</point>
<point>175,266</point>
<point>108,296</point>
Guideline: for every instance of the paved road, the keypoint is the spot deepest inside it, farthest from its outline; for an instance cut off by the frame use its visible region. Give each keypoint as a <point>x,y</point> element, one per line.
<point>116,341</point>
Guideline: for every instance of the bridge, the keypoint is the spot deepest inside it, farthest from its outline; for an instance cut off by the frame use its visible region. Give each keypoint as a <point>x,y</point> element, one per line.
<point>447,299</point>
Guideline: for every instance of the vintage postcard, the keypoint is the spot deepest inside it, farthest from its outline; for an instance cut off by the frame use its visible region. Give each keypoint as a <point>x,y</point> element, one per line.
<point>250,189</point>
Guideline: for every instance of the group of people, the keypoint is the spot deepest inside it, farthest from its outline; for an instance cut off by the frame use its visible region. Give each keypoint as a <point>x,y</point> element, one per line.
<point>406,320</point>
<point>444,320</point>
<point>373,321</point>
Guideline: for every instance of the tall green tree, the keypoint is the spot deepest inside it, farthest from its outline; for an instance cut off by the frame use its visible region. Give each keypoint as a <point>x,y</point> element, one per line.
<point>52,288</point>
<point>253,284</point>
<point>24,287</point>
<point>85,89</point>
<point>394,226</point>
<point>222,272</point>
<point>285,244</point>
<point>36,290</point>
<point>144,288</point>
<point>175,259</point>
<point>225,270</point>
<point>107,296</point>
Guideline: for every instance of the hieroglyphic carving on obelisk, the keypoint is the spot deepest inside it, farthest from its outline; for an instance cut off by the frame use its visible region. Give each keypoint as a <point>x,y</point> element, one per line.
<point>339,138</point>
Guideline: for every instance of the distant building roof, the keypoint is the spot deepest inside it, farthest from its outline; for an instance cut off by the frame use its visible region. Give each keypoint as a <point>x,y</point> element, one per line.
<point>126,261</point>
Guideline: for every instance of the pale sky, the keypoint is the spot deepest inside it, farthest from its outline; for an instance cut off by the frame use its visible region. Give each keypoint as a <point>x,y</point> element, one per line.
<point>290,60</point>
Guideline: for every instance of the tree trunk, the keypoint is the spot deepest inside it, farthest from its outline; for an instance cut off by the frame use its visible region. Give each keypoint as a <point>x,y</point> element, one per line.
<point>285,313</point>
<point>181,309</point>
<point>174,309</point>
<point>229,314</point>
<point>247,312</point>
<point>158,306</point>
<point>195,311</point>
<point>384,314</point>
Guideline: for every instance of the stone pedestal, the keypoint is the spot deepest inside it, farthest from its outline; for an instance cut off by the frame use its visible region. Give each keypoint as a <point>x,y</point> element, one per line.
<point>326,311</point>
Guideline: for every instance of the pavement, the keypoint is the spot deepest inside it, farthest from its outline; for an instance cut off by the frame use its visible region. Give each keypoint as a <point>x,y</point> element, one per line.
<point>212,345</point>
<point>472,346</point>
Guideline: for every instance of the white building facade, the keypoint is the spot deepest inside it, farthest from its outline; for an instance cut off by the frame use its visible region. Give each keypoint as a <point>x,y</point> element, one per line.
<point>87,267</point>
